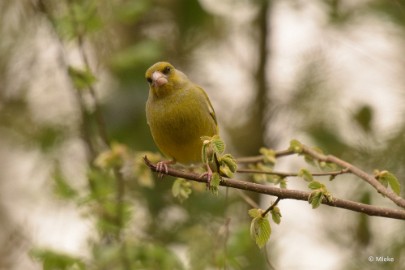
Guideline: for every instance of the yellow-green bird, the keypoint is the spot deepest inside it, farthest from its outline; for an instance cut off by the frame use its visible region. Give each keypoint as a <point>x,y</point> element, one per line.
<point>179,113</point>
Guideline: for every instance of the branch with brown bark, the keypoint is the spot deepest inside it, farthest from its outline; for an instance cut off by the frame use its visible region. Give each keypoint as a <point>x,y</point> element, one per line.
<point>283,194</point>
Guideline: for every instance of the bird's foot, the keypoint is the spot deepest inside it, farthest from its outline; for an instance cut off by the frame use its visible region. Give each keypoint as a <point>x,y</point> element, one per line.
<point>162,168</point>
<point>208,175</point>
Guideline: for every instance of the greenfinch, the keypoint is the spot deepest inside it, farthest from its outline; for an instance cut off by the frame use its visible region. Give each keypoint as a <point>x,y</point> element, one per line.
<point>178,113</point>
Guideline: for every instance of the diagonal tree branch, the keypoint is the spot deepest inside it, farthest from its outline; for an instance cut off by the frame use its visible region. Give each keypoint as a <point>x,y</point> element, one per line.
<point>288,193</point>
<point>398,200</point>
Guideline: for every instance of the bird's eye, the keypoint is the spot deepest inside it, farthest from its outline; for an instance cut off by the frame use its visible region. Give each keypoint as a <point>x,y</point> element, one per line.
<point>149,79</point>
<point>166,70</point>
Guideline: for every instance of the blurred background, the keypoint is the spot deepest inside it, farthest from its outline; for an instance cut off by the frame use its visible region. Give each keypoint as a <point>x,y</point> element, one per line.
<point>329,73</point>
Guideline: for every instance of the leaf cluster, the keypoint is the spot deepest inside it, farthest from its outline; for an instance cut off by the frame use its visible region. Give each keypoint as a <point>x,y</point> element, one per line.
<point>267,165</point>
<point>388,179</point>
<point>260,228</point>
<point>221,164</point>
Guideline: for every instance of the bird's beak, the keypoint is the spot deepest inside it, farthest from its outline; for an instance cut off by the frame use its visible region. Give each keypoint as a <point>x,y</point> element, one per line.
<point>158,79</point>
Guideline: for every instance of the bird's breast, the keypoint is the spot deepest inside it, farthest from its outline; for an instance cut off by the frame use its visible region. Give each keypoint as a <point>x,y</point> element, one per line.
<point>177,125</point>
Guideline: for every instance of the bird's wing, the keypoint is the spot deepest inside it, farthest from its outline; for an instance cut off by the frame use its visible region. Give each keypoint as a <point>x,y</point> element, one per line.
<point>209,105</point>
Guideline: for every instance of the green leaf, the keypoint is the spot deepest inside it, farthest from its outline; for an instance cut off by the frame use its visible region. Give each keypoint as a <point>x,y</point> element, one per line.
<point>394,184</point>
<point>81,78</point>
<point>260,230</point>
<point>225,171</point>
<point>212,148</point>
<point>328,196</point>
<point>176,187</point>
<point>138,170</point>
<point>255,212</point>
<point>181,189</point>
<point>260,177</point>
<point>296,146</point>
<point>269,155</point>
<point>54,260</point>
<point>218,144</point>
<point>322,164</point>
<point>230,162</point>
<point>315,199</point>
<point>227,165</point>
<point>276,215</point>
<point>214,184</point>
<point>204,157</point>
<point>379,176</point>
<point>306,175</point>
<point>61,185</point>
<point>277,180</point>
<point>387,178</point>
<point>215,143</point>
<point>315,185</point>
<point>329,166</point>
<point>113,157</point>
<point>310,160</point>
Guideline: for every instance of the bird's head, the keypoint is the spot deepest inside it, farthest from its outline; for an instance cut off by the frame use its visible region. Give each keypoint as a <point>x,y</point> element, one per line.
<point>163,78</point>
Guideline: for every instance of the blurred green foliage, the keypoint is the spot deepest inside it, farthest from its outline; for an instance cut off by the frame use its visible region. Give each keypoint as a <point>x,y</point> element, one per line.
<point>53,260</point>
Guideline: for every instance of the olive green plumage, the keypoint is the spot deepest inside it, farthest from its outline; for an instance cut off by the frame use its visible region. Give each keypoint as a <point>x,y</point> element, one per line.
<point>178,112</point>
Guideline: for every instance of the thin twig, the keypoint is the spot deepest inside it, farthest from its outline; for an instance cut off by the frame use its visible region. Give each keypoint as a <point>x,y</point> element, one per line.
<point>285,174</point>
<point>247,199</point>
<point>97,108</point>
<point>260,158</point>
<point>85,128</point>
<point>288,194</point>
<point>102,129</point>
<point>356,171</point>
<point>85,132</point>
<point>271,207</point>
